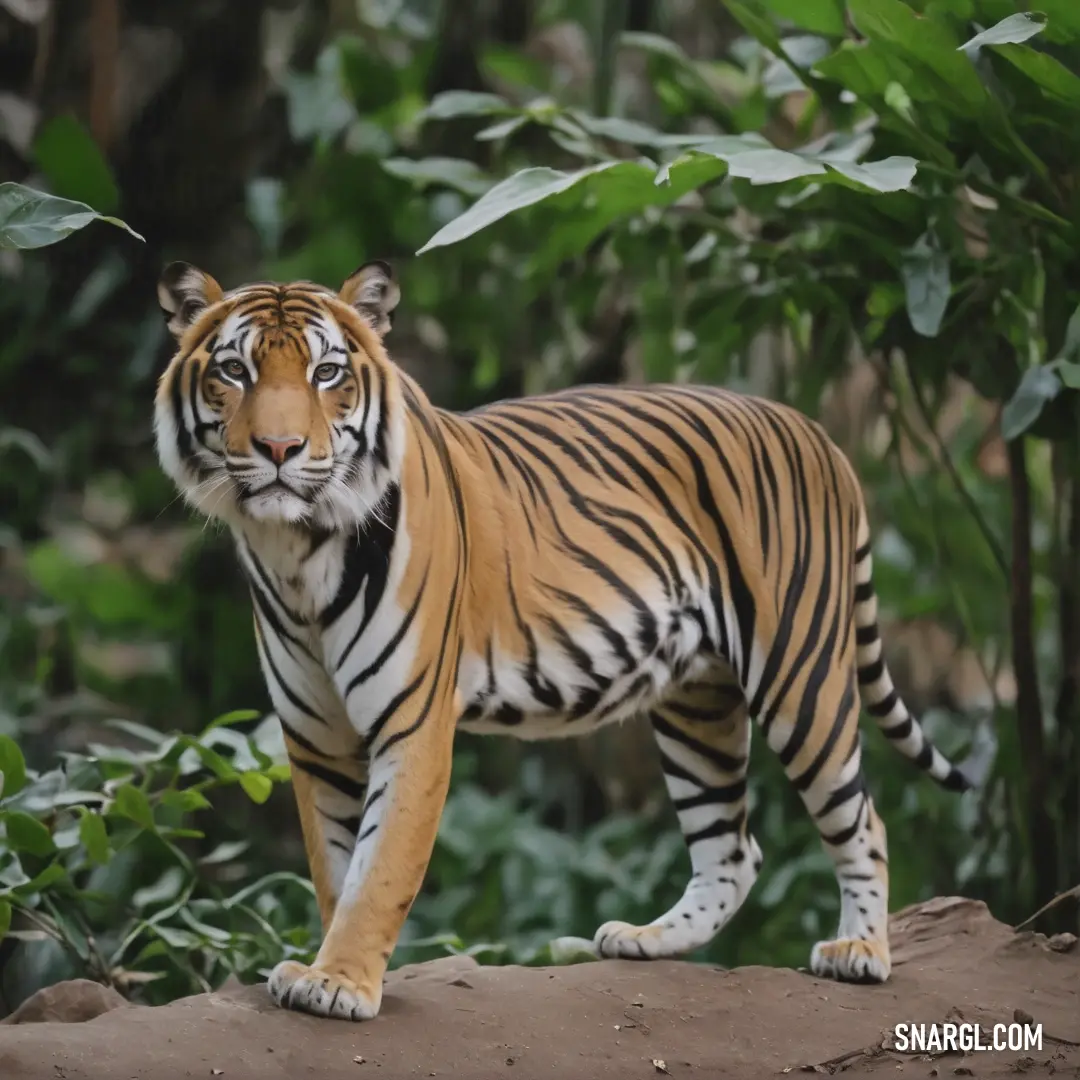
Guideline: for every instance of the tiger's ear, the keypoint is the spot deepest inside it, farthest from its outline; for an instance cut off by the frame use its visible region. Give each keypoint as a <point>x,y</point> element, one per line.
<point>373,293</point>
<point>184,292</point>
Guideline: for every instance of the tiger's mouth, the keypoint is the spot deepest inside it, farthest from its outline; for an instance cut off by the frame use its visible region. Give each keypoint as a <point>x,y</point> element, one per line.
<point>278,500</point>
<point>273,487</point>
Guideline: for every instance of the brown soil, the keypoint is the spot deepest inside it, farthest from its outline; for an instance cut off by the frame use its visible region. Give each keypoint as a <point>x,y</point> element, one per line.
<point>616,1018</point>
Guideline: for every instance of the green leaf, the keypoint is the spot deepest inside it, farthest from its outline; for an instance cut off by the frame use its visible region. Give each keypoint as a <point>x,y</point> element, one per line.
<point>1039,386</point>
<point>237,716</point>
<point>771,166</point>
<point>1070,347</point>
<point>26,833</point>
<point>451,104</point>
<point>458,173</point>
<point>52,873</point>
<point>210,758</point>
<point>257,786</point>
<point>525,188</point>
<point>1069,373</point>
<point>12,767</point>
<point>818,16</point>
<point>502,128</point>
<point>756,161</point>
<point>32,219</point>
<point>74,165</point>
<point>165,889</point>
<point>926,44</point>
<point>5,918</point>
<point>755,25</point>
<point>894,173</point>
<point>1014,28</point>
<point>866,68</point>
<point>1052,77</point>
<point>925,273</point>
<point>1063,19</point>
<point>94,837</point>
<point>185,801</point>
<point>225,852</point>
<point>654,43</point>
<point>132,803</point>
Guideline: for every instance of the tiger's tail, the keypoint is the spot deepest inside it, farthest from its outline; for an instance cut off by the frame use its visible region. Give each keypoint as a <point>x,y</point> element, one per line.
<point>879,696</point>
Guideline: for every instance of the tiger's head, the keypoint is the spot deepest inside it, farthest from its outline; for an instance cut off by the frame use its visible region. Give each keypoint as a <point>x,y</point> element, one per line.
<point>280,403</point>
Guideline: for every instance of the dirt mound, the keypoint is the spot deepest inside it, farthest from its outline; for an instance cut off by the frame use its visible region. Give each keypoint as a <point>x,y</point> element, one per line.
<point>617,1018</point>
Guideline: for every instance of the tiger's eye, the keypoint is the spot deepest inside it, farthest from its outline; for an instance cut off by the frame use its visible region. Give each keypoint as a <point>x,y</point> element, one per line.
<point>233,369</point>
<point>326,372</point>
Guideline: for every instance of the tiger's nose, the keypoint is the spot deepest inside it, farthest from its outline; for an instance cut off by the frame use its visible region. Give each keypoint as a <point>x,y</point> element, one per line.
<point>279,450</point>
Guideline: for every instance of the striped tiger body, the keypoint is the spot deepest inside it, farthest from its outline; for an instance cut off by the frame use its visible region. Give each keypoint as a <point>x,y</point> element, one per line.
<point>537,568</point>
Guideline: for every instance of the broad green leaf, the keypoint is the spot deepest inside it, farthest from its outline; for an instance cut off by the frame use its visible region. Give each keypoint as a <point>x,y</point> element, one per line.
<point>257,786</point>
<point>94,837</point>
<point>174,937</point>
<point>1039,386</point>
<point>165,889</point>
<point>760,163</point>
<point>581,213</point>
<point>525,188</point>
<point>48,877</point>
<point>26,833</point>
<point>237,716</point>
<point>1051,76</point>
<point>925,273</point>
<point>132,803</point>
<point>755,25</point>
<point>771,166</point>
<point>926,44</point>
<point>185,801</point>
<point>1069,373</point>
<point>1070,348</point>
<point>12,767</point>
<point>5,918</point>
<point>654,43</point>
<point>32,219</point>
<point>818,16</point>
<point>458,173</point>
<point>210,758</point>
<point>867,69</point>
<point>1015,28</point>
<point>74,165</point>
<point>451,104</point>
<point>225,852</point>
<point>502,128</point>
<point>889,174</point>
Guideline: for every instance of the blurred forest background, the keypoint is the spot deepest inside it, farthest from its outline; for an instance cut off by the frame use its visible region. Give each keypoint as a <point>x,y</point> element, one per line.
<point>864,209</point>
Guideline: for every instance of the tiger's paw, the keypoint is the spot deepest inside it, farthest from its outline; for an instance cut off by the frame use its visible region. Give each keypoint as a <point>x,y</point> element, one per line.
<point>322,993</point>
<point>851,960</point>
<point>624,941</point>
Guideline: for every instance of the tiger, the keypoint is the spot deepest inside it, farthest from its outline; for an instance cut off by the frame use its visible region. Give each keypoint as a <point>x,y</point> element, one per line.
<point>535,567</point>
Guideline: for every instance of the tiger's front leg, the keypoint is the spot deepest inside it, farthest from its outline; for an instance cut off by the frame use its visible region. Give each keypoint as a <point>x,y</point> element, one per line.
<point>409,775</point>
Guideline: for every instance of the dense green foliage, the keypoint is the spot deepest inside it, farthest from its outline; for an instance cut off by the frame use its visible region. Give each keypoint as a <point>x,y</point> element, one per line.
<point>878,185</point>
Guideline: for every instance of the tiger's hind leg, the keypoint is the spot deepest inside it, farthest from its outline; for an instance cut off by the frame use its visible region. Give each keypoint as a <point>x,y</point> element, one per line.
<point>822,757</point>
<point>703,733</point>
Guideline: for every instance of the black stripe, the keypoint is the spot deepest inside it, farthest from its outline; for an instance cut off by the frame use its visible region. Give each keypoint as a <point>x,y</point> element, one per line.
<point>366,560</point>
<point>345,785</point>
